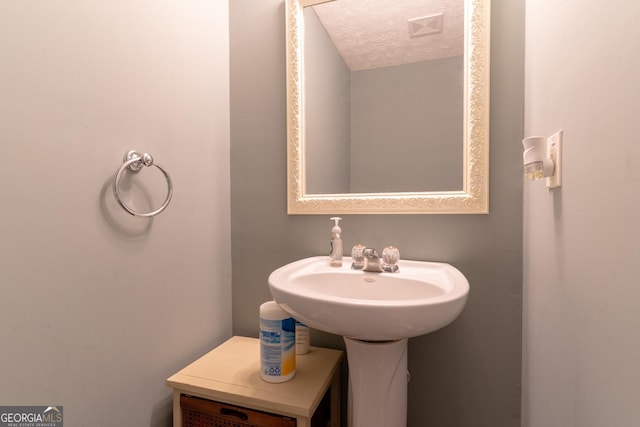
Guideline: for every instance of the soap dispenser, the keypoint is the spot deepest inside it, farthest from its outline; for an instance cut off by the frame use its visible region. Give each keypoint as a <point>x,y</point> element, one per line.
<point>335,253</point>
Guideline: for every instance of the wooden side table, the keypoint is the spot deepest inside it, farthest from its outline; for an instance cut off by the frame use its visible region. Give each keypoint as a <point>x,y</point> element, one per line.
<point>230,374</point>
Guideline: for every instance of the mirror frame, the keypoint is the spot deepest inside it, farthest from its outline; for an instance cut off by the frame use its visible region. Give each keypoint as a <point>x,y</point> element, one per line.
<point>474,196</point>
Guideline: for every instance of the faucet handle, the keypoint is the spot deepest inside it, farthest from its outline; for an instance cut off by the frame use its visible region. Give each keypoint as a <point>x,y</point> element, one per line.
<point>357,255</point>
<point>390,258</point>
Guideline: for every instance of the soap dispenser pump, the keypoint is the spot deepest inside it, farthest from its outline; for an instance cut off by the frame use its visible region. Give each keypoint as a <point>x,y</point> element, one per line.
<point>335,253</point>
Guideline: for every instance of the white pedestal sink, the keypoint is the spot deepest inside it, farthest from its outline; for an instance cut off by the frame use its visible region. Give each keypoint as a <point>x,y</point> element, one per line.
<point>375,313</point>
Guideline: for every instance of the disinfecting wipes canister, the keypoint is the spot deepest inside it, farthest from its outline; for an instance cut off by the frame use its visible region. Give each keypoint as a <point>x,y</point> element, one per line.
<point>277,343</point>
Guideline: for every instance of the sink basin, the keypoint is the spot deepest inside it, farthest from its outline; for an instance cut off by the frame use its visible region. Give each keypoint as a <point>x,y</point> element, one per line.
<point>420,298</point>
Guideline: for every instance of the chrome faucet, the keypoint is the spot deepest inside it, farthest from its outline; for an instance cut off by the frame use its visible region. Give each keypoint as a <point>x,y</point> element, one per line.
<point>372,261</point>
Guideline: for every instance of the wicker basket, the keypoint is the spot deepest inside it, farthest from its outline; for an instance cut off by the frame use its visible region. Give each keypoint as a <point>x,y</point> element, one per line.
<point>197,412</point>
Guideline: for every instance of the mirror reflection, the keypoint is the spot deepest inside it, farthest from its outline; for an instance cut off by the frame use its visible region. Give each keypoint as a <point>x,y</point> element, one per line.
<point>384,96</point>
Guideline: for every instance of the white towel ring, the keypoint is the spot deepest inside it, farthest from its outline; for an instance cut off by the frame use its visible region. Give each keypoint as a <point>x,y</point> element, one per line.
<point>135,162</point>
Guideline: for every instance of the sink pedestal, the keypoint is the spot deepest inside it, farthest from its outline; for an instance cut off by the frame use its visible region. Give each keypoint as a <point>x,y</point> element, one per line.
<point>377,383</point>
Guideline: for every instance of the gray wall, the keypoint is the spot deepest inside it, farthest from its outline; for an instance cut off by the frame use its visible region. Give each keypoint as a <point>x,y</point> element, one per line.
<point>582,241</point>
<point>327,106</point>
<point>98,308</point>
<point>406,127</point>
<point>466,375</point>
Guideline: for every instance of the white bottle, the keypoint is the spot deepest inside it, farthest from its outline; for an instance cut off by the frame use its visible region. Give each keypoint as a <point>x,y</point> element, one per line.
<point>335,254</point>
<point>302,338</point>
<point>277,343</point>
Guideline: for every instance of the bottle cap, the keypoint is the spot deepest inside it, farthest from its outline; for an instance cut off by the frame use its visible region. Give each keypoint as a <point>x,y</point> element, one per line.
<point>336,228</point>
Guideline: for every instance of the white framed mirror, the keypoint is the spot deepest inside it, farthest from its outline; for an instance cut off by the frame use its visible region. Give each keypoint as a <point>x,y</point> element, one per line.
<point>419,146</point>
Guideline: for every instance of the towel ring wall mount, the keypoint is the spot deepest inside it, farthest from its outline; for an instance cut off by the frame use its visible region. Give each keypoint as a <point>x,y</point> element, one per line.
<point>135,163</point>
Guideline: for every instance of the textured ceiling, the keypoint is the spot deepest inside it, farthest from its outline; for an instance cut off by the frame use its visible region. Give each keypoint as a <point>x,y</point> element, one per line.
<point>375,33</point>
